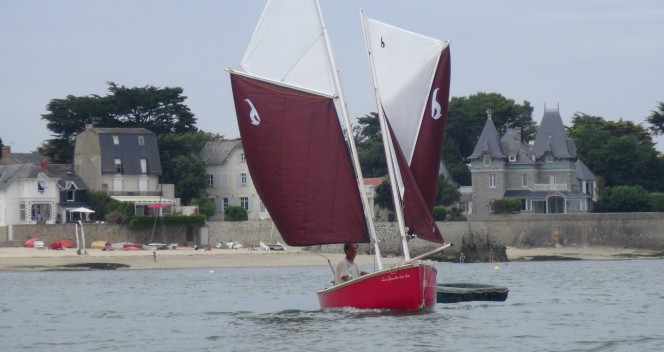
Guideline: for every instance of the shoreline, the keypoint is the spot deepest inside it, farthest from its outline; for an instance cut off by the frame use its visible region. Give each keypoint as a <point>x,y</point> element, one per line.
<point>30,259</point>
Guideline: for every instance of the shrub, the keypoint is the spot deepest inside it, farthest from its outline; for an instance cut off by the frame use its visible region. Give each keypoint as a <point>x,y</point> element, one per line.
<point>623,199</point>
<point>439,213</point>
<point>657,202</point>
<point>235,213</point>
<point>506,206</point>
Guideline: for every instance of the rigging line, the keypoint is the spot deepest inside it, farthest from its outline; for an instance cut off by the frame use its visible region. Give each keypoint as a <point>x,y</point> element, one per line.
<point>328,260</point>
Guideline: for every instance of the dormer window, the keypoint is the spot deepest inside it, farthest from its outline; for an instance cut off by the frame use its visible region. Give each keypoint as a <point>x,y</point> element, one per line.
<point>118,165</point>
<point>41,186</point>
<point>116,140</point>
<point>144,166</point>
<point>549,158</point>
<point>487,160</point>
<point>512,158</point>
<point>141,140</point>
<point>71,193</point>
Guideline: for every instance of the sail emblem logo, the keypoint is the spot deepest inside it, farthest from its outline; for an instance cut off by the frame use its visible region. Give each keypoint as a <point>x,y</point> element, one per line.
<point>253,114</point>
<point>436,109</point>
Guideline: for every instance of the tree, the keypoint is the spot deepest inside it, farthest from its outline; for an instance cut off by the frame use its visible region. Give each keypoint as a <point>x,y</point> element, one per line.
<point>656,119</point>
<point>623,199</point>
<point>447,194</point>
<point>182,164</point>
<point>369,142</point>
<point>621,153</point>
<point>160,110</point>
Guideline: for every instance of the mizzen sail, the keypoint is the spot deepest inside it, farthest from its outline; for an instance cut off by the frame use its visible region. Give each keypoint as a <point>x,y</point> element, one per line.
<point>413,75</point>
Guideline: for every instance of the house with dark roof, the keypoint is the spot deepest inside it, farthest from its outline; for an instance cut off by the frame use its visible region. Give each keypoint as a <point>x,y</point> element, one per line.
<point>229,182</point>
<point>124,163</point>
<point>547,176</point>
<point>34,191</point>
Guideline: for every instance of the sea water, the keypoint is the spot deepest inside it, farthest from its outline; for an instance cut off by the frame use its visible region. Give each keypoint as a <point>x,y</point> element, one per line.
<point>613,305</point>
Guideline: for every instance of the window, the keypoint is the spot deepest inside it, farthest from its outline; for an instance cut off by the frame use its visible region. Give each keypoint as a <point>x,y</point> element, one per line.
<point>21,211</point>
<point>71,193</point>
<point>143,184</point>
<point>244,202</point>
<point>243,179</point>
<point>225,204</point>
<point>117,185</point>
<point>552,179</point>
<point>549,158</point>
<point>210,179</point>
<point>41,185</point>
<point>141,140</point>
<point>492,181</point>
<point>116,140</point>
<point>512,158</point>
<point>242,159</point>
<point>144,165</point>
<point>118,165</point>
<point>487,160</point>
<point>524,180</point>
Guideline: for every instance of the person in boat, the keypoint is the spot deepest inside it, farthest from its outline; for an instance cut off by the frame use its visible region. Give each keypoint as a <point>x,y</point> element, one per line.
<point>347,269</point>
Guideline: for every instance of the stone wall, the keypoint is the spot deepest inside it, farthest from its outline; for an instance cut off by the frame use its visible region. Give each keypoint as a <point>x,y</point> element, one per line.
<point>625,230</point>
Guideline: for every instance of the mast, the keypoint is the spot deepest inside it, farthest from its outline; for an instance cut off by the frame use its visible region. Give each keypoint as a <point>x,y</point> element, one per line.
<point>387,144</point>
<point>351,141</point>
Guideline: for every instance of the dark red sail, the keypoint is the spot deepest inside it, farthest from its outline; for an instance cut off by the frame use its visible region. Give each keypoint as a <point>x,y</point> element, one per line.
<point>299,163</point>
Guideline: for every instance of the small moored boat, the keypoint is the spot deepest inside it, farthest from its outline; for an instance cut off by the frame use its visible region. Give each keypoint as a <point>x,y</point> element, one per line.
<point>465,292</point>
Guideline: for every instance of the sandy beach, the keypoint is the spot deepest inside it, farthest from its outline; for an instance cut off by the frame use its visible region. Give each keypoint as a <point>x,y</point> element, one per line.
<point>30,259</point>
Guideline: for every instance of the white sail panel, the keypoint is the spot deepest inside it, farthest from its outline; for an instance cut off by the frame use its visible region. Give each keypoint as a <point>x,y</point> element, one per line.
<point>288,46</point>
<point>405,63</point>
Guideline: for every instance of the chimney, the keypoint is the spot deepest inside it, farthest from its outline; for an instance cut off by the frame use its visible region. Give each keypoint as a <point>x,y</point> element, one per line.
<point>44,164</point>
<point>6,151</point>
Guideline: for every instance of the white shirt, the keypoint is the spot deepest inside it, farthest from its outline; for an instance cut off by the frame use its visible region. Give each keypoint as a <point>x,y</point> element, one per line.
<point>342,270</point>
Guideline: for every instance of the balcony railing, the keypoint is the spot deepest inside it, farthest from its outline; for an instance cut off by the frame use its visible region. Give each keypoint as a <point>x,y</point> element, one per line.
<point>135,193</point>
<point>551,187</point>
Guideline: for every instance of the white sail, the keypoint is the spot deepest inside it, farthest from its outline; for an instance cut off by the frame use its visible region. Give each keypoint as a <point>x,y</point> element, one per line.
<point>405,63</point>
<point>289,46</point>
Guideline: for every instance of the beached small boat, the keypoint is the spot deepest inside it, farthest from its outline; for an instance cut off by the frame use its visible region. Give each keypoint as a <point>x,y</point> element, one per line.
<point>98,244</point>
<point>67,243</point>
<point>272,246</point>
<point>465,292</point>
<point>31,242</point>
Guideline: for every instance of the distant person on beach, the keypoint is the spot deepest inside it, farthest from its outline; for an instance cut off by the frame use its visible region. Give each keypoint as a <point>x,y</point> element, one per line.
<point>462,258</point>
<point>347,269</point>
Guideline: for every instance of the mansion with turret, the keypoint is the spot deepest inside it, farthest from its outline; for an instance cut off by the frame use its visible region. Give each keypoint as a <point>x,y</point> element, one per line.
<point>546,176</point>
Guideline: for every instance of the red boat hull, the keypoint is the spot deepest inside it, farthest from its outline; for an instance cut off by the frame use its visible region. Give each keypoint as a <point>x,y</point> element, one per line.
<point>407,287</point>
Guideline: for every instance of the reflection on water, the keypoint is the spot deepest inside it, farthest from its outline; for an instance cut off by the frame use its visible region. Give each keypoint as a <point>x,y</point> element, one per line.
<point>552,306</point>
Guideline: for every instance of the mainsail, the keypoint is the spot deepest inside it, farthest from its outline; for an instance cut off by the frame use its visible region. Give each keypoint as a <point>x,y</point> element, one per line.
<point>288,102</point>
<point>411,77</point>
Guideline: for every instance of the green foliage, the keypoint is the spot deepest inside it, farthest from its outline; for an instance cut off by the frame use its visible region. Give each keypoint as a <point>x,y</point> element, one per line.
<point>439,213</point>
<point>369,142</point>
<point>235,213</point>
<point>623,199</point>
<point>621,153</point>
<point>383,197</point>
<point>206,206</point>
<point>456,214</point>
<point>160,110</point>
<point>146,222</point>
<point>656,119</point>
<point>506,206</point>
<point>108,209</point>
<point>657,202</point>
<point>447,193</point>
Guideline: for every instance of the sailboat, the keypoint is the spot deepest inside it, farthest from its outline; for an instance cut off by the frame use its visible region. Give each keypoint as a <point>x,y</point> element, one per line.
<point>300,152</point>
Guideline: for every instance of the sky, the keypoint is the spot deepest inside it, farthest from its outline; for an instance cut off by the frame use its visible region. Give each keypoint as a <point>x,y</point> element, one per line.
<point>599,57</point>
